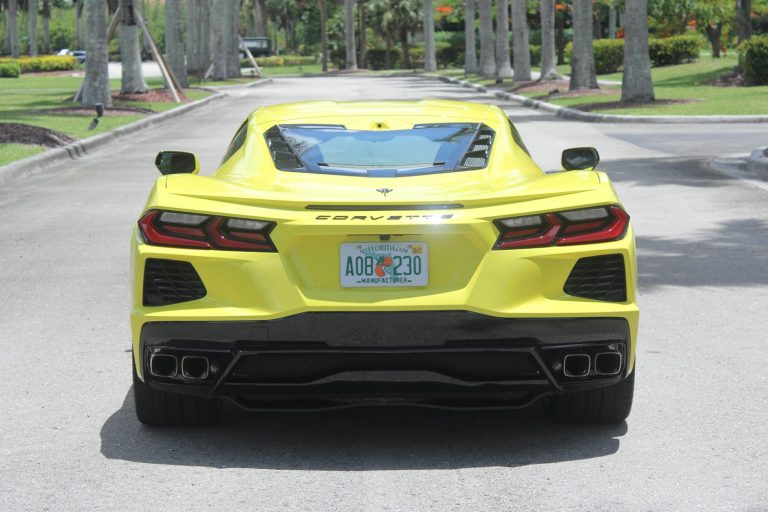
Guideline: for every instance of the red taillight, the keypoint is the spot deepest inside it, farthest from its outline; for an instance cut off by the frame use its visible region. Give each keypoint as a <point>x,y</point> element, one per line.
<point>174,229</point>
<point>585,226</point>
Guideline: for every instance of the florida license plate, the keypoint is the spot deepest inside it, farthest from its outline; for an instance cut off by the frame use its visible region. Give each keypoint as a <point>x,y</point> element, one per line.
<point>384,264</point>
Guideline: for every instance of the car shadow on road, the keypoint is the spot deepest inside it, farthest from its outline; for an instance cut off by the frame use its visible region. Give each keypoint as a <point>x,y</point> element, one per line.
<point>362,439</point>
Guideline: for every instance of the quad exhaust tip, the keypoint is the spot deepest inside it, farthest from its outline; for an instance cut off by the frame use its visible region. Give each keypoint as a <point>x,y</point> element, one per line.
<point>163,365</point>
<point>576,365</point>
<point>608,363</point>
<point>195,367</point>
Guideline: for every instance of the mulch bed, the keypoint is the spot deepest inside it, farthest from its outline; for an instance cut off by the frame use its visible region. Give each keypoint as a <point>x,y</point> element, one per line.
<point>19,133</point>
<point>730,79</point>
<point>557,89</point>
<point>109,112</point>
<point>588,107</point>
<point>153,96</point>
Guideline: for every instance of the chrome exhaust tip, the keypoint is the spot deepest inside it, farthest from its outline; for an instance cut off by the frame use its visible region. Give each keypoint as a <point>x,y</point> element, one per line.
<point>163,365</point>
<point>576,365</point>
<point>195,367</point>
<point>608,363</point>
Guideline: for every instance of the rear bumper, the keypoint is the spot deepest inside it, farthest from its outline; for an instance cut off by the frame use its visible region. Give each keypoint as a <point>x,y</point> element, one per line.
<point>428,358</point>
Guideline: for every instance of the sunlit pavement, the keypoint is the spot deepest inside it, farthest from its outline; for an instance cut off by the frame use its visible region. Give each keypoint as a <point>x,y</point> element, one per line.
<point>695,441</point>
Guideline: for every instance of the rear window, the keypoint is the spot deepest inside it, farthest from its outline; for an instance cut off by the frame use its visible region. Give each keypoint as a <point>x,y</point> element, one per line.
<point>423,149</point>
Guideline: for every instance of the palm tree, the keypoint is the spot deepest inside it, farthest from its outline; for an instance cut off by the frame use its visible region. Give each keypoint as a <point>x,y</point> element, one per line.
<point>487,60</point>
<point>232,38</point>
<point>520,40</point>
<point>503,69</point>
<point>46,25</point>
<point>583,75</point>
<point>743,22</point>
<point>470,51</point>
<point>430,55</point>
<point>13,29</point>
<point>174,40</point>
<point>218,42</point>
<point>636,86</point>
<point>96,82</point>
<point>323,33</point>
<point>79,23</point>
<point>548,69</point>
<point>400,18</point>
<point>130,53</point>
<point>349,34</point>
<point>32,27</point>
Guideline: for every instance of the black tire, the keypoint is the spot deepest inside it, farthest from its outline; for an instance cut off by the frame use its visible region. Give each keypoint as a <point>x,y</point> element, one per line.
<point>611,404</point>
<point>160,409</point>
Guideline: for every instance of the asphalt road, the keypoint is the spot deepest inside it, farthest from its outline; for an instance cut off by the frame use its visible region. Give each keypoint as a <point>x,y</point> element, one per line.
<point>696,439</point>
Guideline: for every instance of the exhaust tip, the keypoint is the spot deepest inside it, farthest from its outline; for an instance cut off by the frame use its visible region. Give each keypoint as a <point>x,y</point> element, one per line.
<point>195,367</point>
<point>576,365</point>
<point>163,365</point>
<point>608,363</point>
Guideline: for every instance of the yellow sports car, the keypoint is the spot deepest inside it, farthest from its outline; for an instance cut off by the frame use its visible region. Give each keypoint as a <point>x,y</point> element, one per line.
<point>388,252</point>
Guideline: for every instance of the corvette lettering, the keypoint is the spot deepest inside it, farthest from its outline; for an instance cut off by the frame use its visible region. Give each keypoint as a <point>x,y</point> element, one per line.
<point>385,217</point>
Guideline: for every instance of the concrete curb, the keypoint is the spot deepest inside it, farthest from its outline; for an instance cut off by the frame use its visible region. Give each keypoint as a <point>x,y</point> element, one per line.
<point>578,115</point>
<point>255,83</point>
<point>757,163</point>
<point>40,163</point>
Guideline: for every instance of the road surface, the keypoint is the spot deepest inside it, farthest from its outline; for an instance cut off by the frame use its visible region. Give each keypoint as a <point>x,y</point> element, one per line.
<point>696,439</point>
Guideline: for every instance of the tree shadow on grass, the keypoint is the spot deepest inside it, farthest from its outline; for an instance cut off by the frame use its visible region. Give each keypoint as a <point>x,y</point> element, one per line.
<point>364,439</point>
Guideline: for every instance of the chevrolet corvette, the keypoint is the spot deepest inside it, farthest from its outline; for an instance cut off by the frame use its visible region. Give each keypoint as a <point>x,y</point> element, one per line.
<point>390,252</point>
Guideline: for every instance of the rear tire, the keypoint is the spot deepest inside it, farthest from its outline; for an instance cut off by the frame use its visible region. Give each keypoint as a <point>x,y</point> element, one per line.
<point>611,404</point>
<point>161,409</point>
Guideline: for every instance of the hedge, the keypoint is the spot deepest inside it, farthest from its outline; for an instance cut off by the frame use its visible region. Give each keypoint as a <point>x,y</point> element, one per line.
<point>278,61</point>
<point>755,56</point>
<point>674,50</point>
<point>609,55</point>
<point>9,70</point>
<point>40,64</point>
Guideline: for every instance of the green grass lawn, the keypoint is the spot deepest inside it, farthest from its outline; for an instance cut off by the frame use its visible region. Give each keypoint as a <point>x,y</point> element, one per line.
<point>22,98</point>
<point>685,82</point>
<point>291,70</point>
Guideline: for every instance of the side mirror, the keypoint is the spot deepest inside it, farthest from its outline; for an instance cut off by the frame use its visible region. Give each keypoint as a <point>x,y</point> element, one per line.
<point>580,159</point>
<point>177,162</point>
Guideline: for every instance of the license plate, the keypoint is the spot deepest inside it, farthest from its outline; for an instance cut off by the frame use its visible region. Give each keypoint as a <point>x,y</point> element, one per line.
<point>384,264</point>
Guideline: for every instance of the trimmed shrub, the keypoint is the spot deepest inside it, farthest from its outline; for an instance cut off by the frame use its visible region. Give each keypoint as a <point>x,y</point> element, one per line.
<point>9,70</point>
<point>376,58</point>
<point>535,54</point>
<point>42,64</point>
<point>609,55</point>
<point>755,56</point>
<point>277,61</point>
<point>674,50</point>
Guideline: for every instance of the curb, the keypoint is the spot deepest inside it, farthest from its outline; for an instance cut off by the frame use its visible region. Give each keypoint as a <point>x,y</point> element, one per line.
<point>255,83</point>
<point>42,162</point>
<point>757,163</point>
<point>579,115</point>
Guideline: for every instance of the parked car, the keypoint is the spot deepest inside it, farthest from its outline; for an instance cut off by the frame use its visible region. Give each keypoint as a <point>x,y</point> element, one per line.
<point>78,54</point>
<point>258,46</point>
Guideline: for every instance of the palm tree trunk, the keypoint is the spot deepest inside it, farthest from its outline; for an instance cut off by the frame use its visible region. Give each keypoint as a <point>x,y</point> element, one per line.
<point>323,34</point>
<point>218,43</point>
<point>503,69</point>
<point>583,74</point>
<point>470,50</point>
<point>13,29</point>
<point>233,39</point>
<point>713,34</point>
<point>388,64</point>
<point>363,43</point>
<point>487,59</point>
<point>96,82</point>
<point>263,15</point>
<point>349,34</point>
<point>174,41</point>
<point>78,24</point>
<point>130,53</point>
<point>430,55</point>
<point>520,41</point>
<point>744,23</point>
<point>32,27</point>
<point>612,21</point>
<point>548,69</point>
<point>46,26</point>
<point>405,47</point>
<point>637,86</point>
<point>193,36</point>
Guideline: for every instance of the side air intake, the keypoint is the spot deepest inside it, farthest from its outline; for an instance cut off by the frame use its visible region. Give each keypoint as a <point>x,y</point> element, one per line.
<point>284,157</point>
<point>479,151</point>
<point>598,278</point>
<point>170,282</point>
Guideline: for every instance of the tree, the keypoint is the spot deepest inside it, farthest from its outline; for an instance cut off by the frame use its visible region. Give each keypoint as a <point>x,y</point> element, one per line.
<point>470,51</point>
<point>583,75</point>
<point>430,56</point>
<point>323,34</point>
<point>174,41</point>
<point>637,85</point>
<point>12,22</point>
<point>96,82</point>
<point>487,60</point>
<point>349,34</point>
<point>503,69</point>
<point>32,28</point>
<point>744,23</point>
<point>231,37</point>
<point>218,43</point>
<point>548,69</point>
<point>520,43</point>
<point>362,33</point>
<point>130,53</point>
<point>79,23</point>
<point>46,26</point>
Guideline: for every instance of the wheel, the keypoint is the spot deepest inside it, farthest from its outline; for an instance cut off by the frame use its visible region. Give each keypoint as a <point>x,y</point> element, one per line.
<point>161,409</point>
<point>611,404</point>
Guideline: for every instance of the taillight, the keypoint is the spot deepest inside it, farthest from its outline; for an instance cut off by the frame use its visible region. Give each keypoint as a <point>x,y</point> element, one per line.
<point>584,226</point>
<point>176,229</point>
